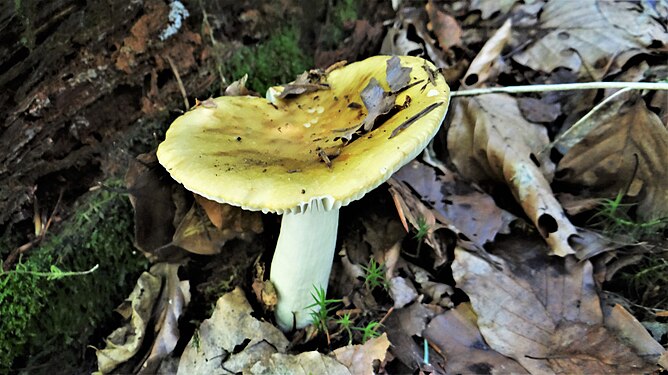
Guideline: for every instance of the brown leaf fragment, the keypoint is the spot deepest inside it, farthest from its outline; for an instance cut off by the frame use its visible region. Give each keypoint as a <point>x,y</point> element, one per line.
<point>489,139</point>
<point>543,311</point>
<point>359,358</point>
<point>401,291</point>
<point>629,148</point>
<point>444,26</point>
<point>629,329</point>
<point>231,340</point>
<point>377,102</point>
<point>539,110</point>
<point>473,213</point>
<point>125,342</point>
<point>305,363</point>
<point>306,82</point>
<point>206,231</point>
<point>487,63</point>
<point>397,76</point>
<point>152,197</point>
<point>456,335</point>
<point>174,298</point>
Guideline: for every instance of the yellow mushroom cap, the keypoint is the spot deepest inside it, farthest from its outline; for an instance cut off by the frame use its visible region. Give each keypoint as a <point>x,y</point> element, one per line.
<point>259,155</point>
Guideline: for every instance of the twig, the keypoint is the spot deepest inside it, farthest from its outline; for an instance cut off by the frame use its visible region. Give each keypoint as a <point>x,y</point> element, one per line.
<point>564,87</point>
<point>180,83</point>
<point>11,258</point>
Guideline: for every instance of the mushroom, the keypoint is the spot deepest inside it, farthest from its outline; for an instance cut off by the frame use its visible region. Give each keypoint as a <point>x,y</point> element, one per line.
<point>305,156</point>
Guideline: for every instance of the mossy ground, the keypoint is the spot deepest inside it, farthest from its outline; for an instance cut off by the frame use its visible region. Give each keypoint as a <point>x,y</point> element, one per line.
<point>278,59</point>
<point>48,324</point>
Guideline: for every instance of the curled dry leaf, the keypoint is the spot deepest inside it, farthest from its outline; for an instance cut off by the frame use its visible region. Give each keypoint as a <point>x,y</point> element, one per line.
<point>359,358</point>
<point>231,340</point>
<point>458,339</point>
<point>486,64</point>
<point>159,295</point>
<point>628,148</point>
<point>174,298</point>
<point>591,37</point>
<point>489,139</point>
<point>125,342</point>
<point>156,201</point>
<point>544,312</point>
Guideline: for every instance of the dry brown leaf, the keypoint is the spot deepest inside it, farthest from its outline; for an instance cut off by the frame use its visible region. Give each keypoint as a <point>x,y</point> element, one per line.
<point>125,342</point>
<point>593,38</point>
<point>305,363</point>
<point>486,64</point>
<point>230,218</point>
<point>197,234</point>
<point>174,298</point>
<point>544,311</point>
<point>444,26</point>
<point>359,358</point>
<point>605,160</point>
<point>231,340</point>
<point>152,195</point>
<point>489,139</point>
<point>471,213</point>
<point>458,339</point>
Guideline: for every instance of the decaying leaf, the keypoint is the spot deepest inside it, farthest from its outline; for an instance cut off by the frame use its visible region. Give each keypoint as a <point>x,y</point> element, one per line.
<point>153,198</point>
<point>544,312</point>
<point>309,81</point>
<point>444,26</point>
<point>199,230</point>
<point>359,358</point>
<point>489,139</point>
<point>591,37</point>
<point>305,363</point>
<point>397,76</point>
<point>174,298</point>
<point>231,340</point>
<point>125,342</point>
<point>628,149</point>
<point>471,212</point>
<point>401,291</point>
<point>159,295</point>
<point>456,335</point>
<point>486,64</point>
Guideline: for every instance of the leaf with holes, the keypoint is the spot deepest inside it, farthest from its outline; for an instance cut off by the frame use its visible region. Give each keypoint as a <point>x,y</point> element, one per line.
<point>489,139</point>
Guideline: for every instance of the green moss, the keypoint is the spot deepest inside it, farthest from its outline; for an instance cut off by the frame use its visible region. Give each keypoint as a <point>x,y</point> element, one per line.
<point>340,12</point>
<point>51,321</point>
<point>279,59</point>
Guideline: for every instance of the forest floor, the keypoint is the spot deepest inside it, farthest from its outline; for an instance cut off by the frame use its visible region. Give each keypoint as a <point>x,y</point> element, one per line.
<point>529,237</point>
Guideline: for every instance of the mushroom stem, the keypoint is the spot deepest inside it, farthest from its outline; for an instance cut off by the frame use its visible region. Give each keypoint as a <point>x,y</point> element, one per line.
<point>302,261</point>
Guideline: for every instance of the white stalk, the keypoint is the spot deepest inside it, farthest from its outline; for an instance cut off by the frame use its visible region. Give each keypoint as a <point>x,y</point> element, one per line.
<point>302,262</point>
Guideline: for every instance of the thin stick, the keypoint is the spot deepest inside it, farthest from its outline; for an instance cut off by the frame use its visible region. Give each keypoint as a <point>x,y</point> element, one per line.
<point>564,87</point>
<point>178,80</point>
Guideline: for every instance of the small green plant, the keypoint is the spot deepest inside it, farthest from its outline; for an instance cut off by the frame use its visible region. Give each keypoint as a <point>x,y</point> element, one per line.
<point>369,331</point>
<point>321,309</point>
<point>374,275</point>
<point>346,325</point>
<point>613,217</point>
